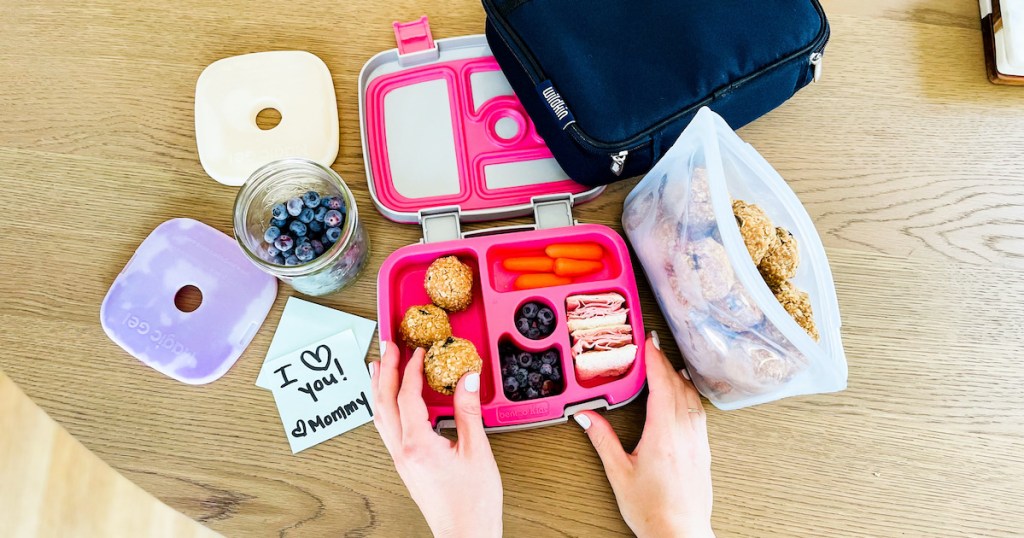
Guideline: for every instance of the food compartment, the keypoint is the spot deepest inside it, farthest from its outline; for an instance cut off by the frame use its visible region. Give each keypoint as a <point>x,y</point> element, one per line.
<point>535,318</point>
<point>530,373</point>
<point>602,326</point>
<point>542,262</point>
<point>401,285</point>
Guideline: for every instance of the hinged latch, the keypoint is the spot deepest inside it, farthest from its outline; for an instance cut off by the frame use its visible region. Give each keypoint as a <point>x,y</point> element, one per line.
<point>415,43</point>
<point>553,211</point>
<point>440,224</point>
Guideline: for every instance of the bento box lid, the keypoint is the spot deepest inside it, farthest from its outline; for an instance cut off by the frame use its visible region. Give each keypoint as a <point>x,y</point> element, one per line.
<point>446,141</point>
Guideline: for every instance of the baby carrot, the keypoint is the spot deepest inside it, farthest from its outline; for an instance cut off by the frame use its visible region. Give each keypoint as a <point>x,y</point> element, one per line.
<point>575,251</point>
<point>539,280</point>
<point>529,264</point>
<point>567,267</point>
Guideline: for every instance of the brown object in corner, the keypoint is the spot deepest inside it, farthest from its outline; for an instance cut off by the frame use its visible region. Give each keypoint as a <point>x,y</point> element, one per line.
<point>989,25</point>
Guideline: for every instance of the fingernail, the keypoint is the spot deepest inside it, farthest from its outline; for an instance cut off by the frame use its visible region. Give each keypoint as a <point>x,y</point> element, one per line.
<point>685,374</point>
<point>472,382</point>
<point>383,347</point>
<point>583,421</point>
<point>371,367</point>
<point>655,341</point>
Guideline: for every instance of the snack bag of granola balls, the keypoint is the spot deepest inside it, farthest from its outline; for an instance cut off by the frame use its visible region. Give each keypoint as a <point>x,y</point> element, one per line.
<point>738,270</point>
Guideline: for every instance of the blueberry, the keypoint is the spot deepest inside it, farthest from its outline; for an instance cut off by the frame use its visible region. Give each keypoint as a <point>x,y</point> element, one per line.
<point>284,242</point>
<point>333,218</point>
<point>523,325</point>
<point>278,211</point>
<point>272,250</point>
<point>277,260</point>
<point>294,207</point>
<point>316,227</point>
<point>531,394</point>
<point>530,310</point>
<point>306,216</point>
<point>547,388</point>
<point>525,359</point>
<point>271,234</point>
<point>521,376</point>
<point>549,357</point>
<point>280,223</point>
<point>291,260</point>
<point>534,379</point>
<point>545,316</point>
<point>297,229</point>
<point>508,360</point>
<point>511,385</point>
<point>311,199</point>
<point>333,202</point>
<point>333,234</point>
<point>305,252</point>
<point>533,333</point>
<point>318,213</point>
<point>556,374</point>
<point>545,370</point>
<point>318,247</point>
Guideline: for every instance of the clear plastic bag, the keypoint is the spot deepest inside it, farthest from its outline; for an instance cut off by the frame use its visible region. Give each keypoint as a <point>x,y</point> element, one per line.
<point>740,344</point>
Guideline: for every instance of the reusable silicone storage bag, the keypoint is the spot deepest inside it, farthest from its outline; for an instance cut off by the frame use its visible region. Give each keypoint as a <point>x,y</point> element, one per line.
<point>740,345</point>
<point>446,141</point>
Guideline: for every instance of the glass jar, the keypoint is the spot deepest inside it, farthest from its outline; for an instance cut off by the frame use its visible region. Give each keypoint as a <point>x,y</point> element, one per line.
<point>278,182</point>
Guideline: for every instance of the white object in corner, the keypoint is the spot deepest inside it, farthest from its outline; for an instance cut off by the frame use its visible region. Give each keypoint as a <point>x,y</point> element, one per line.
<point>232,91</point>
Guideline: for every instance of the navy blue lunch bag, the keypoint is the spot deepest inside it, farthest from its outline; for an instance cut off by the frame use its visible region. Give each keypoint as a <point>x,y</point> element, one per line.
<point>610,84</point>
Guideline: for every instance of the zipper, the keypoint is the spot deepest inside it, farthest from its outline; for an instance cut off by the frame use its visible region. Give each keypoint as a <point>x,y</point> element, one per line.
<point>817,57</point>
<point>620,150</point>
<point>619,162</point>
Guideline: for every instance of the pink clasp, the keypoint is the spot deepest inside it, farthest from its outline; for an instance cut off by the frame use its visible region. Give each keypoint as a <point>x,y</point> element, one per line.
<point>413,36</point>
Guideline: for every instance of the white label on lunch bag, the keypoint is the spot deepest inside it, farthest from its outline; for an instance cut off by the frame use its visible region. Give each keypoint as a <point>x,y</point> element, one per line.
<point>556,104</point>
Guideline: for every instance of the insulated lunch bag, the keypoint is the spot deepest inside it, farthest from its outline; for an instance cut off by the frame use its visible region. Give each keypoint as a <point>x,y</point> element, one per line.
<point>611,84</point>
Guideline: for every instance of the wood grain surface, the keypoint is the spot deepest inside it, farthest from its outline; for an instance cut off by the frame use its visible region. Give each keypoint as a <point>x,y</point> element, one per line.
<point>53,486</point>
<point>908,160</point>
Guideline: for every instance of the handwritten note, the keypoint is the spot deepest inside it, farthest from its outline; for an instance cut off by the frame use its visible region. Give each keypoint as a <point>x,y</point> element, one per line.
<point>322,389</point>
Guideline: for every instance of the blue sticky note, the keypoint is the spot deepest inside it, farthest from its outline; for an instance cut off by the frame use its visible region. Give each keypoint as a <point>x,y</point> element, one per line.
<point>303,323</point>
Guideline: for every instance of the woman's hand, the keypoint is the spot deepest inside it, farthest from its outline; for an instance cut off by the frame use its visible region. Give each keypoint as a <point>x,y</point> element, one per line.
<point>455,484</point>
<point>664,487</point>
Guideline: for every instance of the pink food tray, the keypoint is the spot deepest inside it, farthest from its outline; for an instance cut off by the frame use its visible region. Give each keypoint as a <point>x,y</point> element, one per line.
<point>489,321</point>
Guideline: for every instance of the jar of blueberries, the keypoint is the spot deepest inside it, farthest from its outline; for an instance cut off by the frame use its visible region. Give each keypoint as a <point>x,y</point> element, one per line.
<point>297,220</point>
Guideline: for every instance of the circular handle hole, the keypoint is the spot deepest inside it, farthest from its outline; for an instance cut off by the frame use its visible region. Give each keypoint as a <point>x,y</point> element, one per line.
<point>188,299</point>
<point>268,118</point>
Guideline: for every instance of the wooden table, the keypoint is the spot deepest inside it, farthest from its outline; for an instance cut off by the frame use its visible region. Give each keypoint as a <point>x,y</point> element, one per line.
<point>908,159</point>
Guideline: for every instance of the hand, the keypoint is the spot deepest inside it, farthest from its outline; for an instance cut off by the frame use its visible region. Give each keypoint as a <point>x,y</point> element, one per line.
<point>455,483</point>
<point>664,487</point>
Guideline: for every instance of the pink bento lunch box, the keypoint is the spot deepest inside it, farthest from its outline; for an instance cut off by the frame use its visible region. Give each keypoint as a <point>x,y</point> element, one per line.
<point>446,141</point>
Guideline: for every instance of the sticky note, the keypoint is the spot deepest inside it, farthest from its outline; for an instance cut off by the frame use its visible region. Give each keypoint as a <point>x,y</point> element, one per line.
<point>303,322</point>
<point>321,389</point>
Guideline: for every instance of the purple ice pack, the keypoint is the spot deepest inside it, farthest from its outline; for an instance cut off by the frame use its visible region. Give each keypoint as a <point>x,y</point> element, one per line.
<point>139,312</point>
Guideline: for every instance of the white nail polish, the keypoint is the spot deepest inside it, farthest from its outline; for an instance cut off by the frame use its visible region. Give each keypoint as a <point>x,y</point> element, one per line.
<point>655,340</point>
<point>472,382</point>
<point>383,347</point>
<point>371,367</point>
<point>685,374</point>
<point>583,421</point>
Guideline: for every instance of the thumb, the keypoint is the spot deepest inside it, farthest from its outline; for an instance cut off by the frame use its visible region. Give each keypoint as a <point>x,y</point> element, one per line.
<point>605,441</point>
<point>468,421</point>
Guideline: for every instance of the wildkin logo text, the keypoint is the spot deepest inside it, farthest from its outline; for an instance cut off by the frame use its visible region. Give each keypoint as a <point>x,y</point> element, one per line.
<point>556,104</point>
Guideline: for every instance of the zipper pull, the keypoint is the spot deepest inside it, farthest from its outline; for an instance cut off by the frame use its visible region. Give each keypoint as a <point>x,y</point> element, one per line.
<point>816,60</point>
<point>619,162</point>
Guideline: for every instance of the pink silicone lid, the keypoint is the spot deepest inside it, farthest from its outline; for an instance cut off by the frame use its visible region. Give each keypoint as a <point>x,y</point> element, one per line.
<point>450,132</point>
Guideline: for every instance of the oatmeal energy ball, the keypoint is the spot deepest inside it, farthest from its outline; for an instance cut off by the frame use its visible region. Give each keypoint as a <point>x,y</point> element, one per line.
<point>756,228</point>
<point>423,325</point>
<point>798,304</point>
<point>780,262</point>
<point>449,283</point>
<point>447,361</point>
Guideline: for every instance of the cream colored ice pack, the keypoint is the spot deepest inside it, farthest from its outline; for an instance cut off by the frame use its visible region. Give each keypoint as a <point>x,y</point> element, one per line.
<point>232,91</point>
